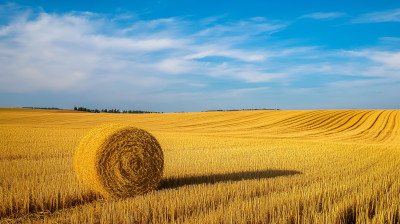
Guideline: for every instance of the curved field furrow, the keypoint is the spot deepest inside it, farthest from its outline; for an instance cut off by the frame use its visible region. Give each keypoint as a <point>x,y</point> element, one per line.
<point>331,122</point>
<point>380,123</point>
<point>343,129</point>
<point>292,127</point>
<point>384,133</point>
<point>361,126</point>
<point>396,133</point>
<point>243,123</point>
<point>334,122</point>
<point>292,119</point>
<point>366,127</point>
<point>343,124</point>
<point>234,123</point>
<point>346,131</point>
<point>316,121</point>
<point>310,119</point>
<point>225,121</point>
<point>380,127</point>
<point>359,122</point>
<point>322,122</point>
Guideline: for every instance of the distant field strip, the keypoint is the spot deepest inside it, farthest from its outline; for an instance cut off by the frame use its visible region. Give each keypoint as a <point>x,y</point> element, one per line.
<point>373,126</point>
<point>315,166</point>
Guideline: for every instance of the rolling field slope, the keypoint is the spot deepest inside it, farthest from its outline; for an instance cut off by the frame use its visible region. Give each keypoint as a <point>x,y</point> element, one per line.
<point>320,166</point>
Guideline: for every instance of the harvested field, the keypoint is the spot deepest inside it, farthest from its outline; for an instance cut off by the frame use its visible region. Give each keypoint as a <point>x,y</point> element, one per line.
<point>320,166</point>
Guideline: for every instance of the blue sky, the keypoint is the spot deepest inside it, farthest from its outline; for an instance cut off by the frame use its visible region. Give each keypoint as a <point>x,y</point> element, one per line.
<point>200,55</point>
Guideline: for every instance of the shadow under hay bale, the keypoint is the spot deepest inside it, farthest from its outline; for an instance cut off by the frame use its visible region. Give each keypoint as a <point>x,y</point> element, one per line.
<point>227,177</point>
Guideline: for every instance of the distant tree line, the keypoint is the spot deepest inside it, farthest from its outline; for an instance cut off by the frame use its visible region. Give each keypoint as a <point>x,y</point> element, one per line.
<point>112,111</point>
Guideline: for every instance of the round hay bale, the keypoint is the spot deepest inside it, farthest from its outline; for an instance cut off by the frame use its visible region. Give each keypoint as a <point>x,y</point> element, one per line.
<point>117,160</point>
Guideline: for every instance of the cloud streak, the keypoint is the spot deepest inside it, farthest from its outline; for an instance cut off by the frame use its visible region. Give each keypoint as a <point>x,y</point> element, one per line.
<point>379,17</point>
<point>324,15</point>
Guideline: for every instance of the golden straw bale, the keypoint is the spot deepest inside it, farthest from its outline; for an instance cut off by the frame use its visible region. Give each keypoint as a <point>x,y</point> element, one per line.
<point>117,160</point>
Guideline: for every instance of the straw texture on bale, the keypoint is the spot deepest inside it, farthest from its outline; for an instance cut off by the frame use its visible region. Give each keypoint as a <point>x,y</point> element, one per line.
<point>117,160</point>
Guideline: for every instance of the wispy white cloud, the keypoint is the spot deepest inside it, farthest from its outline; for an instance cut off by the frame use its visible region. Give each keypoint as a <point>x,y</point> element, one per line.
<point>324,15</point>
<point>209,50</point>
<point>124,16</point>
<point>243,91</point>
<point>66,52</point>
<point>246,73</point>
<point>253,26</point>
<point>130,44</point>
<point>383,64</point>
<point>212,96</point>
<point>177,66</point>
<point>70,51</point>
<point>378,17</point>
<point>394,39</point>
<point>357,83</point>
<point>369,67</point>
<point>156,26</point>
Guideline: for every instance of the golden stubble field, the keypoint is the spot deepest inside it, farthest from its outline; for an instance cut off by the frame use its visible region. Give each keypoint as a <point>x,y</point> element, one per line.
<point>321,166</point>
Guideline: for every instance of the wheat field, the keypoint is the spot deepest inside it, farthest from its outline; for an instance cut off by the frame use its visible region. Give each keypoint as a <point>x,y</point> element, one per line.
<point>317,166</point>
